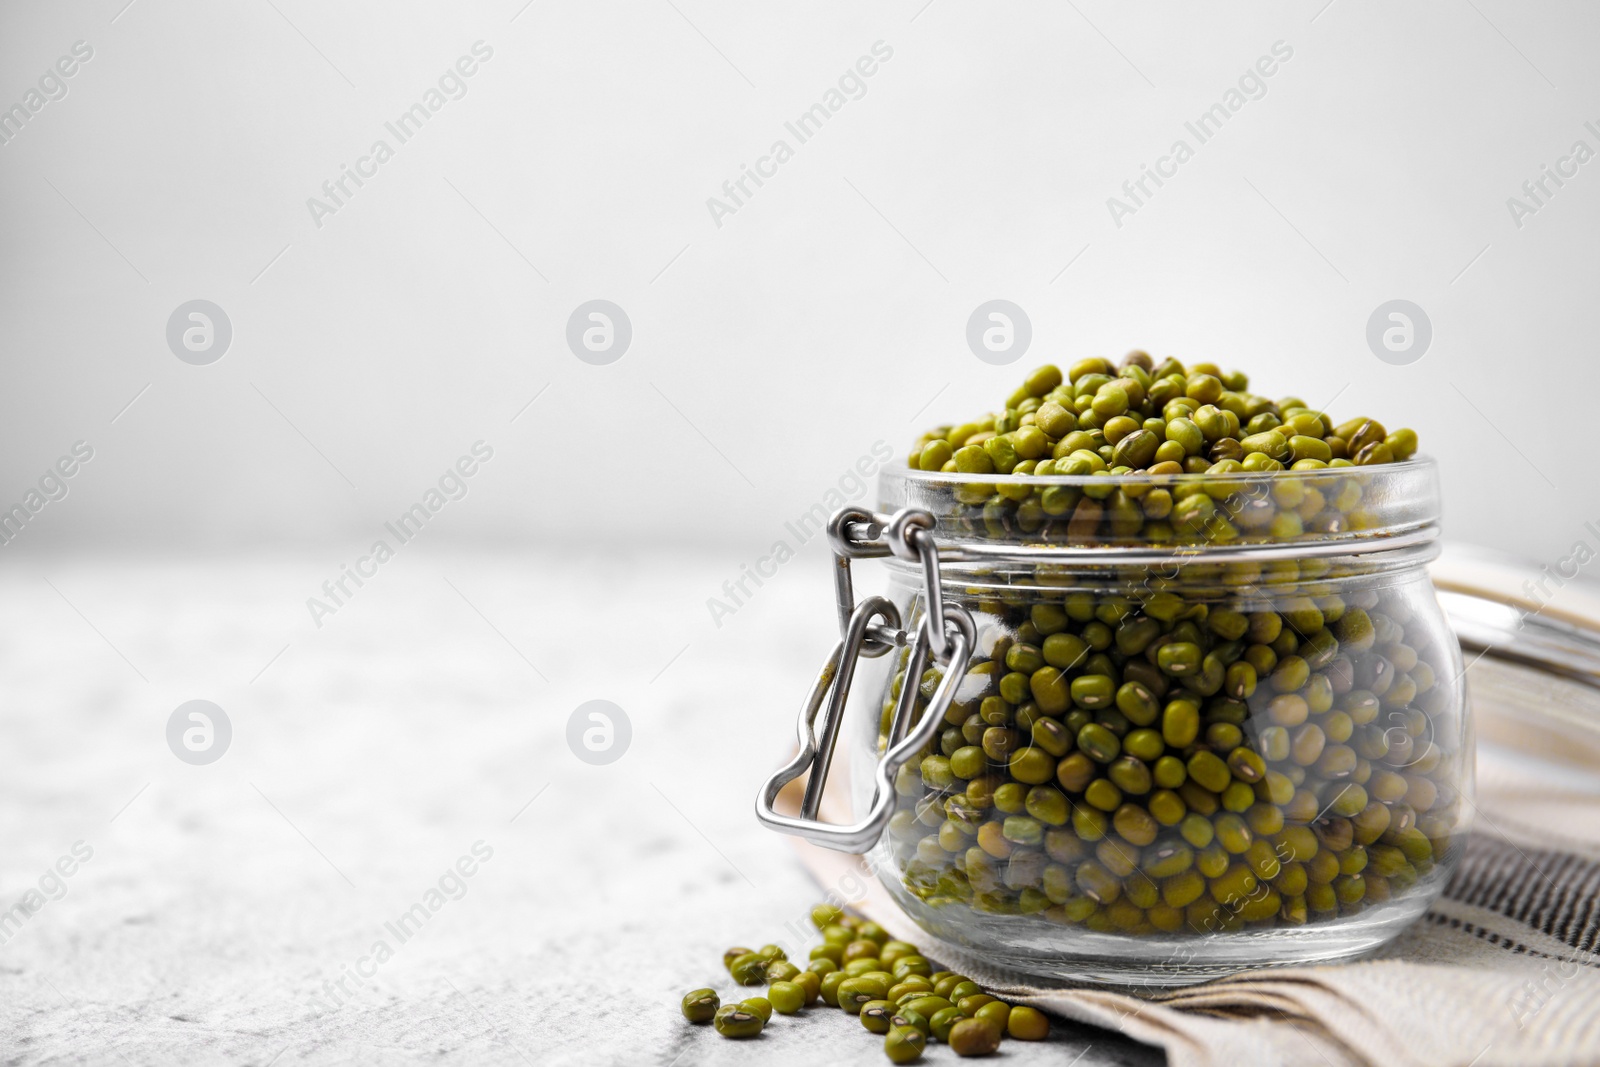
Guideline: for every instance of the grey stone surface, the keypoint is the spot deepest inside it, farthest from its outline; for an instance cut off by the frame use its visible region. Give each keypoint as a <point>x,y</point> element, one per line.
<point>368,757</point>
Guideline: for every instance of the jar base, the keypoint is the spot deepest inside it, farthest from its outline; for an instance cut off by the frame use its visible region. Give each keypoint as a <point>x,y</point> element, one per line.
<point>1075,955</point>
<point>1122,973</point>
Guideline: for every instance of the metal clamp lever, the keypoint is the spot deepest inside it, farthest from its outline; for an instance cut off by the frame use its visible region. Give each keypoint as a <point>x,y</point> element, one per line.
<point>905,738</point>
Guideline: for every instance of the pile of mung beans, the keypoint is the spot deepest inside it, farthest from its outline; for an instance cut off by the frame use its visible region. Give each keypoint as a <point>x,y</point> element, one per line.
<point>889,985</point>
<point>1162,419</point>
<point>1229,746</point>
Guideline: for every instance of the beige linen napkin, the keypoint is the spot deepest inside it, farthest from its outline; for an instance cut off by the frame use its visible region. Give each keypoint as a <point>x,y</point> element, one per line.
<point>1503,970</point>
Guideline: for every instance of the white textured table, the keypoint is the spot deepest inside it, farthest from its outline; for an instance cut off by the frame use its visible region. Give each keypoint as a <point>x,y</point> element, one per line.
<point>224,905</point>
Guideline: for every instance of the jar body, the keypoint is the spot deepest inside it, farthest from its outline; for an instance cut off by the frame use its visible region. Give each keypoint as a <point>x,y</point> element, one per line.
<point>1167,773</point>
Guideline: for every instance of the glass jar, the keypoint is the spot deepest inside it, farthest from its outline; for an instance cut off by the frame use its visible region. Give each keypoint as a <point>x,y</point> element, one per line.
<point>1173,727</point>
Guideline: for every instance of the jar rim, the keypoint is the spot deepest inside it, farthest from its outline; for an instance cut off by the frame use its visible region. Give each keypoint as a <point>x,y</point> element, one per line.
<point>1355,510</point>
<point>1419,468</point>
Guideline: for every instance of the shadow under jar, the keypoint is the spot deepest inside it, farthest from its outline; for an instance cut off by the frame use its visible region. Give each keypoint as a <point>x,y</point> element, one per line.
<point>1176,727</point>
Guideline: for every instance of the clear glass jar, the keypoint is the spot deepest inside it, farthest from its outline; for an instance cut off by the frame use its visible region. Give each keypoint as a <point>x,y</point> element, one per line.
<point>1199,725</point>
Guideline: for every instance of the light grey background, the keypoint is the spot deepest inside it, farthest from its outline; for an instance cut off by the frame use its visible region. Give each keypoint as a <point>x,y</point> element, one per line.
<point>768,356</point>
<point>828,312</point>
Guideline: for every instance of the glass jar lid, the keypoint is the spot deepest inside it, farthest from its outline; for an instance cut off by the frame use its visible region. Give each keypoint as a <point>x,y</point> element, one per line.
<point>1531,639</point>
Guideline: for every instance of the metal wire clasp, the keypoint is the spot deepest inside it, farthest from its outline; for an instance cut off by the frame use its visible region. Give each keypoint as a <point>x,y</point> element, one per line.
<point>946,636</point>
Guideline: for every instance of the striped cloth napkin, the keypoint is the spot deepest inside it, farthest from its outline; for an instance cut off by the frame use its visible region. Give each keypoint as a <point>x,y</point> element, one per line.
<point>1503,970</point>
